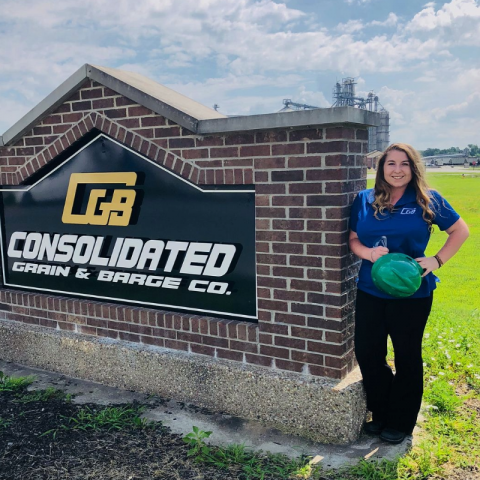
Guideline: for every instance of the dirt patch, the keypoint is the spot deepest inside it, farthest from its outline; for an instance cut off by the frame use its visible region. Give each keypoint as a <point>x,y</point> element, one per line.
<point>471,404</point>
<point>131,454</point>
<point>462,474</point>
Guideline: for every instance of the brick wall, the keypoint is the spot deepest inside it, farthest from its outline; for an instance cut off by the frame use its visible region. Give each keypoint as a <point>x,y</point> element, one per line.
<point>305,180</point>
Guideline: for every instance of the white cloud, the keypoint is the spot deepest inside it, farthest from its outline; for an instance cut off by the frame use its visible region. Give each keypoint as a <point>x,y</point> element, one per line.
<point>247,55</point>
<point>12,110</point>
<point>458,22</point>
<point>395,96</point>
<point>426,78</point>
<point>428,18</point>
<point>470,107</point>
<point>353,26</point>
<point>391,21</point>
<point>399,104</point>
<point>185,18</point>
<point>397,119</point>
<point>243,36</point>
<point>233,93</point>
<point>445,114</point>
<point>308,97</point>
<point>468,80</point>
<point>350,27</point>
<point>246,36</point>
<point>318,50</point>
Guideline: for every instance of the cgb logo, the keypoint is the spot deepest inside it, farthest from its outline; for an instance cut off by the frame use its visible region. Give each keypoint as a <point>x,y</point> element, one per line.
<point>117,211</point>
<point>408,211</point>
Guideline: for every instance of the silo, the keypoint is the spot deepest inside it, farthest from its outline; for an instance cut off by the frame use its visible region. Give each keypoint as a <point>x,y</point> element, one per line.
<point>383,131</point>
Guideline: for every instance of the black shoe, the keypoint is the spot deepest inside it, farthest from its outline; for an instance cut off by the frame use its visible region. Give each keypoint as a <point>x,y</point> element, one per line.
<point>391,435</point>
<point>373,428</point>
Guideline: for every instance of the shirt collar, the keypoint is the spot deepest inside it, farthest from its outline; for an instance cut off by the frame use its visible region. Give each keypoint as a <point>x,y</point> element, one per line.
<point>409,196</point>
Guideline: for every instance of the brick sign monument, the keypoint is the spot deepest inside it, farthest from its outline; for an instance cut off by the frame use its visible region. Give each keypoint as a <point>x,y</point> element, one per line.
<point>151,243</point>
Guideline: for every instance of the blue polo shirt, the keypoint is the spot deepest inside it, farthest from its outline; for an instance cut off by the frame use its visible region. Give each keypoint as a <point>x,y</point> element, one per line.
<point>405,229</point>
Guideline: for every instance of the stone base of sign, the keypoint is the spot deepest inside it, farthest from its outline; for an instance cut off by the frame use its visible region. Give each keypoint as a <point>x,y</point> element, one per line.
<point>321,409</point>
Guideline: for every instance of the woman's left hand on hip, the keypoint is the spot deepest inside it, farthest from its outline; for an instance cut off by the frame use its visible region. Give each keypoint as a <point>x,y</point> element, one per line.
<point>429,264</point>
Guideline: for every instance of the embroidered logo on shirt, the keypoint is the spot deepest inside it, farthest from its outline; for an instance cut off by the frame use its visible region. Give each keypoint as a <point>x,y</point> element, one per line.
<point>408,211</point>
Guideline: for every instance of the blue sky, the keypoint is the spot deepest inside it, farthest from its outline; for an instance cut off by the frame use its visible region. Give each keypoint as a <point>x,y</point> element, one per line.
<point>421,59</point>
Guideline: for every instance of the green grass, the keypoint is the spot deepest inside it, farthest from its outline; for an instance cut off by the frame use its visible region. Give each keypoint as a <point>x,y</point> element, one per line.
<point>452,373</point>
<point>253,465</point>
<point>4,423</point>
<point>368,470</point>
<point>107,418</point>
<point>452,379</point>
<point>14,384</point>
<point>460,277</point>
<point>49,393</point>
<point>451,352</point>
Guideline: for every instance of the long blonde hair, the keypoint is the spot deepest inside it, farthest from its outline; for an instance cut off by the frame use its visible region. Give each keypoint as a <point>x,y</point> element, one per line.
<point>383,190</point>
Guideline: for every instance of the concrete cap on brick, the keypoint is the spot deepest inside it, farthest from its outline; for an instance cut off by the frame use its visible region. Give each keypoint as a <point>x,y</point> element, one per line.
<point>154,90</point>
<point>180,109</point>
<point>318,117</point>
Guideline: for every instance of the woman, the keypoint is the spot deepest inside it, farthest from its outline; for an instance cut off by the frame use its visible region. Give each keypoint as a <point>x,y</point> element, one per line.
<point>402,209</point>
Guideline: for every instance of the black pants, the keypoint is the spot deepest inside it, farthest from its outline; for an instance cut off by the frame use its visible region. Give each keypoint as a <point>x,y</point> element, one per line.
<point>393,399</point>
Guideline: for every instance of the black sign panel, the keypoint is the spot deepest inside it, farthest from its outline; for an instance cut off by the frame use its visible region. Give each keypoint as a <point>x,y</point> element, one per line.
<point>108,223</point>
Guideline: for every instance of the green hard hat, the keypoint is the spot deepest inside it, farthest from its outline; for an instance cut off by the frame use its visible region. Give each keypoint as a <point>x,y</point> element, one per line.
<point>397,275</point>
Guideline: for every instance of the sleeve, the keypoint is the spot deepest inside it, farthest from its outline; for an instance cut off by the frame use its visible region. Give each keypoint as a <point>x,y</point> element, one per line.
<point>354,211</point>
<point>445,215</point>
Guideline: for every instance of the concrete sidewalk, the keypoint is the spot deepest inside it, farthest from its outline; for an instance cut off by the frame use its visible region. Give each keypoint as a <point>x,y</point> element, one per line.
<point>226,429</point>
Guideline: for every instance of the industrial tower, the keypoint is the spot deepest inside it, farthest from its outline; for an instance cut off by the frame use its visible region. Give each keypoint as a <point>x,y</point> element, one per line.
<point>344,96</point>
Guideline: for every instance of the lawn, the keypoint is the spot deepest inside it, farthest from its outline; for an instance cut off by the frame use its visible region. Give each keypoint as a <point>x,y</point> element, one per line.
<point>449,447</point>
<point>45,436</point>
<point>452,341</point>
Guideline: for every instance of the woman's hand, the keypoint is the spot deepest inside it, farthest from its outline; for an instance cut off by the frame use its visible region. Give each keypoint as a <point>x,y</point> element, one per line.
<point>457,234</point>
<point>366,253</point>
<point>377,252</point>
<point>429,264</point>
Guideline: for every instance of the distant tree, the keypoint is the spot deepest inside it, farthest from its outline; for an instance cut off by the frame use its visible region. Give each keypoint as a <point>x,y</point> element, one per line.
<point>474,150</point>
<point>430,152</point>
<point>452,150</point>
